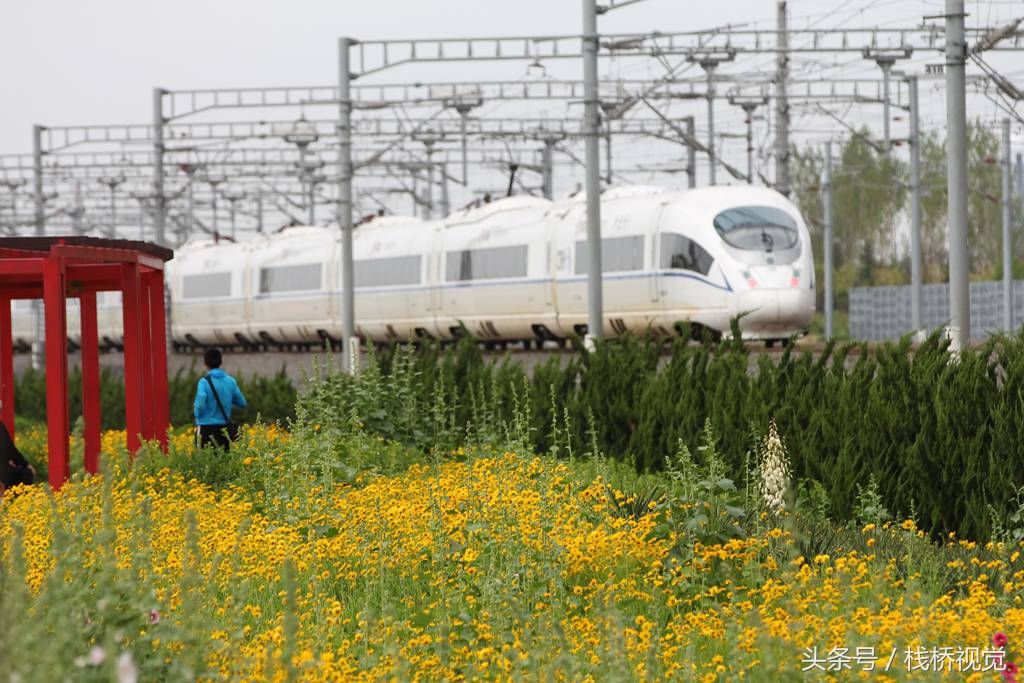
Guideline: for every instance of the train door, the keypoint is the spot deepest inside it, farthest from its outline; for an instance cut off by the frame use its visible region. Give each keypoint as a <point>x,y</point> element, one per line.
<point>654,264</point>
<point>569,287</point>
<point>435,282</point>
<point>551,264</point>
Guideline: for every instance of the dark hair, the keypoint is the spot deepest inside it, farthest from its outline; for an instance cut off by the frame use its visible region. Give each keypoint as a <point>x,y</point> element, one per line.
<point>212,358</point>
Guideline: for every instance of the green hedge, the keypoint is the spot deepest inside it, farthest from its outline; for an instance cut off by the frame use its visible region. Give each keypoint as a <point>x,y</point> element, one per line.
<point>272,397</point>
<point>943,436</point>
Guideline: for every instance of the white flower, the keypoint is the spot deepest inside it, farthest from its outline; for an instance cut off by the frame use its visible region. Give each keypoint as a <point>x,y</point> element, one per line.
<point>774,470</point>
<point>127,672</point>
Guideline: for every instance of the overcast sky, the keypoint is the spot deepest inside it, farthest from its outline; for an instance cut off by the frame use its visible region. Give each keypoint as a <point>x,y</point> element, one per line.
<point>83,62</point>
<point>76,62</point>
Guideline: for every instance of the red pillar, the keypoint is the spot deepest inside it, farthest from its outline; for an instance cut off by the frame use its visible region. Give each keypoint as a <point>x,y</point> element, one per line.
<point>91,412</point>
<point>6,366</point>
<point>158,352</point>
<point>146,341</point>
<point>56,370</point>
<point>133,370</point>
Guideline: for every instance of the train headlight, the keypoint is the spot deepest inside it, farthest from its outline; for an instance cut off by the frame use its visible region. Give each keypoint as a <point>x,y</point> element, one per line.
<point>794,281</point>
<point>751,281</point>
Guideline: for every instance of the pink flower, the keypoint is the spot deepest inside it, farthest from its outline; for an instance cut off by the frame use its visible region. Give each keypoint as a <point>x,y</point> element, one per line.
<point>1009,678</point>
<point>1011,669</point>
<point>154,616</point>
<point>999,639</point>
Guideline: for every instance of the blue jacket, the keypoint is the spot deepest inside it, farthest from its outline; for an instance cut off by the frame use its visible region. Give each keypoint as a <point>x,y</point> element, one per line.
<point>205,407</point>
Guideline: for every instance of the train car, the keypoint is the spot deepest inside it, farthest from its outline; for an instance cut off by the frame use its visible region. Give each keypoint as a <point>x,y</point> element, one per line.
<point>394,262</point>
<point>508,270</point>
<point>738,250</point>
<point>493,271</point>
<point>210,295</point>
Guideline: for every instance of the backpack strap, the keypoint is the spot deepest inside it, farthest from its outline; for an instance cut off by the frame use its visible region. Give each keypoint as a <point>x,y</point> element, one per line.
<point>227,420</point>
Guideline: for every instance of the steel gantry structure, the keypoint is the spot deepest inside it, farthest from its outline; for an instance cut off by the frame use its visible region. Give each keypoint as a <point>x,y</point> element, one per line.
<point>393,137</point>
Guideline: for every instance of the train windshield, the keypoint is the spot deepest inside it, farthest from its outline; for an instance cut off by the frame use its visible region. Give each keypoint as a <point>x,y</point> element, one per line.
<point>758,228</point>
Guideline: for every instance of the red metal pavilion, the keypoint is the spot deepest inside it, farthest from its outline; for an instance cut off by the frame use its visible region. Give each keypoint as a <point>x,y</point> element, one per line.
<point>55,269</point>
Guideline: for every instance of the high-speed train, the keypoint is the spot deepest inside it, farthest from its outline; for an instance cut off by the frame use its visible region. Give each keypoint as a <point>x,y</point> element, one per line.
<point>514,269</point>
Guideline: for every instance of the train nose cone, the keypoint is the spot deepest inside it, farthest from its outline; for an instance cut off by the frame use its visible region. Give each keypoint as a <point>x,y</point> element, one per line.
<point>761,306</point>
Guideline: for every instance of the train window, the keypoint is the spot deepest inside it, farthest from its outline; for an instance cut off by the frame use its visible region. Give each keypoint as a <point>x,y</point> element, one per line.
<point>760,228</point>
<point>678,252</point>
<point>388,272</point>
<point>617,254</point>
<point>290,278</point>
<point>203,285</point>
<point>486,264</point>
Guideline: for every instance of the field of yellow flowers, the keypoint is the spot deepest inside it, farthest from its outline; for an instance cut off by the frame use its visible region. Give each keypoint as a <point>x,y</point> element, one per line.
<point>474,565</point>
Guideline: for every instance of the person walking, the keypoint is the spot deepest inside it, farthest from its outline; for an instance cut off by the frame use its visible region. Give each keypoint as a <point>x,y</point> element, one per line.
<point>216,395</point>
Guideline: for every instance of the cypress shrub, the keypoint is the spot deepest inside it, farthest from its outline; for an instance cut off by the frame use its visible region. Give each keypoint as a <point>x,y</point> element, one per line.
<point>941,434</point>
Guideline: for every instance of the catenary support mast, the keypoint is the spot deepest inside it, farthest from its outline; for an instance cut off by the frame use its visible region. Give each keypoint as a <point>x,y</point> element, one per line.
<point>592,133</point>
<point>956,156</point>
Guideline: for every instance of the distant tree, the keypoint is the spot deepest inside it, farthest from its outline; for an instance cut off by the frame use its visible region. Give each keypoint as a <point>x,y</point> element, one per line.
<point>871,198</point>
<point>984,215</point>
<point>934,238</point>
<point>869,194</point>
<point>807,167</point>
<point>984,189</point>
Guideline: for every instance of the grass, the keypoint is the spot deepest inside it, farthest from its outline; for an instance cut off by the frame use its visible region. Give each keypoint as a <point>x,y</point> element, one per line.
<point>330,553</point>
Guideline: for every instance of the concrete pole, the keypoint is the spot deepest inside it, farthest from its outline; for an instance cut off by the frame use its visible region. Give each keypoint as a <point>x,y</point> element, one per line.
<point>591,134</point>
<point>159,200</point>
<point>445,201</point>
<point>113,210</point>
<point>259,209</point>
<point>142,220</point>
<point>691,155</point>
<point>233,225</point>
<point>191,208</point>
<point>213,187</point>
<point>312,200</point>
<point>430,182</point>
<point>13,187</point>
<point>886,68</point>
<point>749,110</point>
<point>782,103</point>
<point>828,240</point>
<point>76,217</point>
<point>548,169</point>
<point>607,153</point>
<point>916,274</point>
<point>416,210</point>
<point>464,116</point>
<point>350,354</point>
<point>39,347</point>
<point>1007,224</point>
<point>709,67</point>
<point>956,155</point>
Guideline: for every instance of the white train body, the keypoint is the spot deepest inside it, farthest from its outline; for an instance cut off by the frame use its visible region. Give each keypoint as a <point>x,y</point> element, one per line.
<point>513,269</point>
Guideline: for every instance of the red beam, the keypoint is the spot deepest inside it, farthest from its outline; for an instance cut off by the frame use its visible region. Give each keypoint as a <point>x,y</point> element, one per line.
<point>22,292</point>
<point>56,372</point>
<point>91,412</point>
<point>78,252</point>
<point>8,253</point>
<point>22,266</point>
<point>94,272</point>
